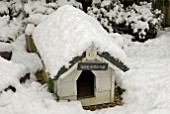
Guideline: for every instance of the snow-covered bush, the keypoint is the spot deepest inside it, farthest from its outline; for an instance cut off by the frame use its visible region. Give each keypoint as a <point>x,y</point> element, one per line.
<point>37,11</point>
<point>45,8</point>
<point>13,8</point>
<point>108,13</point>
<point>10,20</point>
<point>15,15</point>
<point>10,29</point>
<point>141,20</point>
<point>127,3</point>
<point>85,4</point>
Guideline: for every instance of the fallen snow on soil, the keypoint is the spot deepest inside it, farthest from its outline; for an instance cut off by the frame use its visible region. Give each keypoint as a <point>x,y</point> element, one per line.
<point>32,98</point>
<point>10,73</point>
<point>5,47</point>
<point>21,56</point>
<point>148,80</point>
<point>146,83</point>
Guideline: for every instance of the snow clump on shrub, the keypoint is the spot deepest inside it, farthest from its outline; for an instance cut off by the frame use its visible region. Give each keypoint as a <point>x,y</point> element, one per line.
<point>140,20</point>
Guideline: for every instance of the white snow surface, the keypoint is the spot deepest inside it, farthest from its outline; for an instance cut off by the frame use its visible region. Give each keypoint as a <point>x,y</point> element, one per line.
<point>34,7</point>
<point>3,7</point>
<point>9,29</point>
<point>35,18</point>
<point>5,47</point>
<point>32,98</point>
<point>29,29</point>
<point>138,17</point>
<point>30,60</point>
<point>67,33</point>
<point>10,73</point>
<point>147,86</point>
<point>147,82</point>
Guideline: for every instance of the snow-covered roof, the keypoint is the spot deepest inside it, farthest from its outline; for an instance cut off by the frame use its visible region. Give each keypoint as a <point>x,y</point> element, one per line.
<point>66,34</point>
<point>10,73</point>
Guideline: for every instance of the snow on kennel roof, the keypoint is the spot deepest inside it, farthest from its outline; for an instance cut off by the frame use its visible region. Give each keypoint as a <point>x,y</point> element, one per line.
<point>66,34</point>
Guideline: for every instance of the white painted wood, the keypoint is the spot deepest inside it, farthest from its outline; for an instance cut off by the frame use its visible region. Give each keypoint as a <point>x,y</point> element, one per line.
<point>55,86</point>
<point>68,74</point>
<point>72,75</point>
<point>104,84</point>
<point>91,52</point>
<point>101,97</point>
<point>71,98</point>
<point>67,88</point>
<point>67,84</point>
<point>112,85</point>
<point>103,80</point>
<point>74,69</point>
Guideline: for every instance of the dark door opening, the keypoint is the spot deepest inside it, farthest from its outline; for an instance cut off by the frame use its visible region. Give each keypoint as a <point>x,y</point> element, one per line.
<point>85,85</point>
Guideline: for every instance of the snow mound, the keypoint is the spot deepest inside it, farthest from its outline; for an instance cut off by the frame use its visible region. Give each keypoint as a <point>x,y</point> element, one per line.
<point>33,98</point>
<point>158,48</point>
<point>21,56</point>
<point>10,73</point>
<point>148,80</point>
<point>144,80</point>
<point>5,47</point>
<point>67,33</point>
<point>9,29</point>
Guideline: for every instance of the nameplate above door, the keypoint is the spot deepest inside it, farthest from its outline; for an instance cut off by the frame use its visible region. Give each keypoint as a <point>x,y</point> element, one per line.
<point>92,66</point>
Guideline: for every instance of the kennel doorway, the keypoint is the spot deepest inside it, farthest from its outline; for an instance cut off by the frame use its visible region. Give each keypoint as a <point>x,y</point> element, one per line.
<point>85,84</point>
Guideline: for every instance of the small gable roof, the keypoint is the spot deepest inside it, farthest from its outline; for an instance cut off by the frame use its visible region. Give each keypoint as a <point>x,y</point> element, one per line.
<point>66,34</point>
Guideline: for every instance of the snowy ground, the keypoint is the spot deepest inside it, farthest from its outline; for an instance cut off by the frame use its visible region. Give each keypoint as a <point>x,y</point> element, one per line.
<point>148,80</point>
<point>146,83</point>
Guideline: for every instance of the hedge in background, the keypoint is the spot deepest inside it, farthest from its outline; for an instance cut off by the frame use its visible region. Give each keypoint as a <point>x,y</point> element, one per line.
<point>139,20</point>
